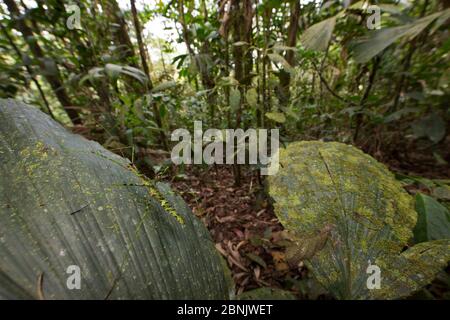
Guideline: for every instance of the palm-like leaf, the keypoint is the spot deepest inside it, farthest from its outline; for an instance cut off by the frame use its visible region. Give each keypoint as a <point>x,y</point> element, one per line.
<point>66,201</point>
<point>366,48</point>
<point>318,35</point>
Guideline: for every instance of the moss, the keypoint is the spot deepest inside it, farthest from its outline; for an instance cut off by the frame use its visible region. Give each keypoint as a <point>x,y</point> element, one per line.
<point>157,195</point>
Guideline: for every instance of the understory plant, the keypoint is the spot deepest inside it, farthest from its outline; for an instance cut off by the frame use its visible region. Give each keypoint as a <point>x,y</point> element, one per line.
<point>345,212</point>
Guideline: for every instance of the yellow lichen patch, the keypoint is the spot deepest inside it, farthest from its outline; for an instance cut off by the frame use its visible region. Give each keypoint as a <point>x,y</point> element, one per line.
<point>156,194</point>
<point>33,157</point>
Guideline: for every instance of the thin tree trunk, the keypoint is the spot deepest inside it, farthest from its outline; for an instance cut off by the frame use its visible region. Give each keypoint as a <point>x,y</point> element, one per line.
<point>143,55</point>
<point>138,31</point>
<point>238,56</point>
<point>266,65</point>
<point>243,62</point>
<point>285,77</point>
<point>227,88</point>
<point>407,64</point>
<point>258,86</point>
<point>360,116</point>
<point>206,79</point>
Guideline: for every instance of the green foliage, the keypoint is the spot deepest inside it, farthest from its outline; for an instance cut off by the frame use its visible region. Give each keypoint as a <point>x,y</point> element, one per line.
<point>235,99</point>
<point>276,116</point>
<point>275,57</point>
<point>344,210</point>
<point>378,40</point>
<point>433,221</point>
<point>318,36</point>
<point>413,269</point>
<point>88,207</point>
<point>432,127</point>
<point>305,73</point>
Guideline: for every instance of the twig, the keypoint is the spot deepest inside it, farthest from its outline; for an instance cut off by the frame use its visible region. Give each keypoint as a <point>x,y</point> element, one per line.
<point>327,86</point>
<point>76,211</point>
<point>373,73</point>
<point>40,281</point>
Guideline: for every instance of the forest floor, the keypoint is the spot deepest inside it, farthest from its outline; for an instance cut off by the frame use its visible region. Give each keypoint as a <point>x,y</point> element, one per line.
<point>244,228</point>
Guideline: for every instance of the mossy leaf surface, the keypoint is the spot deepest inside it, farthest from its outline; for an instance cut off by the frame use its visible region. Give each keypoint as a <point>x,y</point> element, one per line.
<point>344,210</point>
<point>413,269</point>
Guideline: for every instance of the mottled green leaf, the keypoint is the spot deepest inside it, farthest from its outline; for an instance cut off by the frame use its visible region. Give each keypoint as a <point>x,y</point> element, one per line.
<point>252,97</point>
<point>413,269</point>
<point>235,98</point>
<point>164,86</point>
<point>343,209</point>
<point>276,116</point>
<point>433,221</point>
<point>345,212</point>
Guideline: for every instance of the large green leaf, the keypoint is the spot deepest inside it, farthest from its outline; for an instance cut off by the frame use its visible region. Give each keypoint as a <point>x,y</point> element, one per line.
<point>67,201</point>
<point>366,48</point>
<point>252,97</point>
<point>318,35</point>
<point>164,86</point>
<point>343,210</point>
<point>433,222</point>
<point>114,70</point>
<point>432,126</point>
<point>276,116</point>
<point>413,269</point>
<point>277,58</point>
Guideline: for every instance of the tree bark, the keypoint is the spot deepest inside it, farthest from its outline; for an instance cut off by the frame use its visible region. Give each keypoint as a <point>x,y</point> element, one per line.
<point>121,36</point>
<point>243,61</point>
<point>360,116</point>
<point>138,30</point>
<point>285,77</point>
